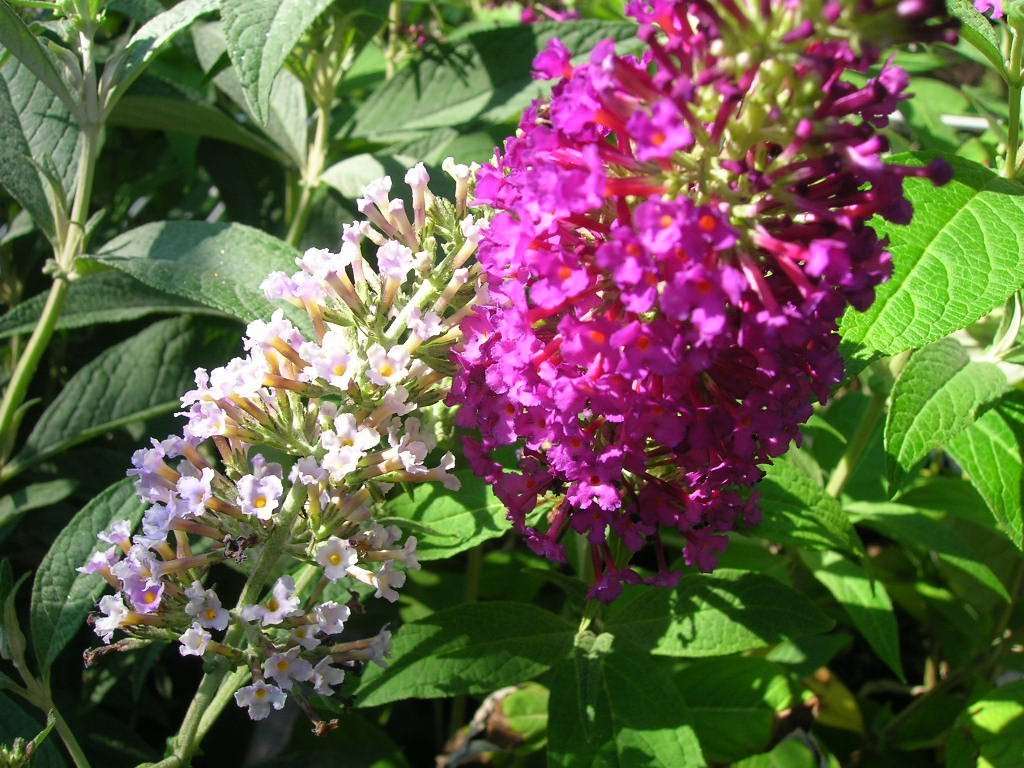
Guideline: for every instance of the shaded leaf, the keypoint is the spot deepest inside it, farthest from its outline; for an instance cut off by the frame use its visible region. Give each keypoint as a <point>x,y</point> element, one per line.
<point>62,597</point>
<point>713,615</point>
<point>472,648</point>
<point>18,39</point>
<point>797,510</point>
<point>920,528</point>
<point>15,722</point>
<point>612,705</point>
<point>138,379</point>
<point>865,601</point>
<point>454,520</point>
<point>485,76</point>
<point>17,504</point>
<point>104,297</point>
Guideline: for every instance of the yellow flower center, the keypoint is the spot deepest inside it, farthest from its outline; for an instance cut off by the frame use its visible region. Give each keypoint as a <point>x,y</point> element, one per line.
<point>211,614</point>
<point>334,558</point>
<point>260,503</point>
<point>272,604</point>
<point>282,665</point>
<point>339,369</point>
<point>261,693</point>
<point>150,597</point>
<point>387,369</point>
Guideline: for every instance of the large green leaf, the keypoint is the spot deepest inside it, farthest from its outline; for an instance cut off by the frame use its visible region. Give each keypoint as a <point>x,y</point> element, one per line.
<point>149,39</point>
<point>990,451</point>
<point>612,705</point>
<point>18,173</point>
<point>17,504</point>
<point>15,722</point>
<point>989,733</point>
<point>104,297</point>
<point>959,259</point>
<point>976,29</point>
<point>935,398</point>
<point>62,597</point>
<point>26,48</point>
<point>137,379</point>
<point>286,122</point>
<point>734,703</point>
<point>923,528</point>
<point>50,129</point>
<point>219,265</point>
<point>453,521</point>
<point>162,113</point>
<point>865,601</point>
<point>713,615</point>
<point>484,76</point>
<point>472,648</point>
<point>260,36</point>
<point>798,511</point>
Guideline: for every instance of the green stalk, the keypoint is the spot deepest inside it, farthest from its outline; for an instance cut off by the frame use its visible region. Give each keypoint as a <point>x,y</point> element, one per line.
<point>1015,86</point>
<point>216,688</point>
<point>316,158</point>
<point>69,248</point>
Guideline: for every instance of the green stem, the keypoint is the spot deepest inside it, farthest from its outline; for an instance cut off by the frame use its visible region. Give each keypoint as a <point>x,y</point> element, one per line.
<point>1015,85</point>
<point>862,436</point>
<point>474,566</point>
<point>70,742</point>
<point>216,689</point>
<point>394,28</point>
<point>316,158</point>
<point>16,390</point>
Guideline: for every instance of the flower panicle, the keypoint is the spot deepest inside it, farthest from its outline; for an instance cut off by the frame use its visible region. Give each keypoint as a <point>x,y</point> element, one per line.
<point>675,236</point>
<point>308,432</point>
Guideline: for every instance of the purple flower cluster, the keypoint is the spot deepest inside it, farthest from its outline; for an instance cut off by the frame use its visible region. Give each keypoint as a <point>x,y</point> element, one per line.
<point>675,238</point>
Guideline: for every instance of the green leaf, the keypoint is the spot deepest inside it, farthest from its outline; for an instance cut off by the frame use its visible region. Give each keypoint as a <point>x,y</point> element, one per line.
<point>989,733</point>
<point>969,232</point>
<point>135,380</point>
<point>18,173</point>
<point>930,100</point>
<point>161,113</point>
<point>286,125</point>
<point>219,265</point>
<point>798,511</point>
<point>14,723</point>
<point>790,753</point>
<point>614,706</point>
<point>484,76</point>
<point>976,29</point>
<point>865,601</point>
<point>363,743</point>
<point>455,520</point>
<point>525,713</point>
<point>469,649</point>
<point>18,39</point>
<point>103,297</point>
<point>49,128</point>
<point>990,452</point>
<point>953,496</point>
<point>350,176</point>
<point>713,615</point>
<point>17,504</point>
<point>925,529</point>
<point>734,703</point>
<point>935,398</point>
<point>62,597</point>
<point>260,36</point>
<point>147,42</point>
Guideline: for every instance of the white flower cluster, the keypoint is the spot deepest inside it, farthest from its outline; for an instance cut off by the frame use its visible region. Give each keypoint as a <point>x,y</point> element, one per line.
<point>291,448</point>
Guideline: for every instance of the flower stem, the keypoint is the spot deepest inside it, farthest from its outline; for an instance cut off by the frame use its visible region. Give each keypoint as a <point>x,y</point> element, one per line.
<point>316,158</point>
<point>1015,86</point>
<point>215,689</point>
<point>865,430</point>
<point>16,390</point>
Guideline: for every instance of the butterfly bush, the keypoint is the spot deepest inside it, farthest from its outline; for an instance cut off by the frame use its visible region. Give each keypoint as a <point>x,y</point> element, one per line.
<point>676,234</point>
<point>291,448</point>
